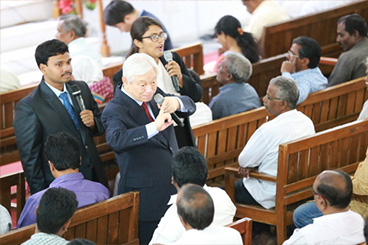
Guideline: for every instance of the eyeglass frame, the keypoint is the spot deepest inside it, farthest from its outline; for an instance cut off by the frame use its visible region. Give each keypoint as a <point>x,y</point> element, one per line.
<point>293,55</point>
<point>317,194</point>
<point>163,36</point>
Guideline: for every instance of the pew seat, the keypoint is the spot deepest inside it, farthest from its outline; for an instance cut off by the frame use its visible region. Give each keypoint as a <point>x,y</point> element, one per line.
<point>244,226</point>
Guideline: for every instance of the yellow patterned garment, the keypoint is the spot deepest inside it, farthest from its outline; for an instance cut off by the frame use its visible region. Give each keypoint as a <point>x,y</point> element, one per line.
<point>360,187</point>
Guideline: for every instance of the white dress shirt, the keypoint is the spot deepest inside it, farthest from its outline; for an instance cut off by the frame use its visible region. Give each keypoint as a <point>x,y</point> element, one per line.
<point>339,228</point>
<point>170,229</point>
<point>211,235</point>
<point>262,151</point>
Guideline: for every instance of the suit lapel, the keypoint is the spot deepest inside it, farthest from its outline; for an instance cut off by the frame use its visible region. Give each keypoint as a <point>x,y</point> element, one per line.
<point>58,107</point>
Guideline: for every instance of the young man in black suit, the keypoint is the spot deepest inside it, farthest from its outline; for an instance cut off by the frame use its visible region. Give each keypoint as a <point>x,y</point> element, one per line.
<point>52,108</point>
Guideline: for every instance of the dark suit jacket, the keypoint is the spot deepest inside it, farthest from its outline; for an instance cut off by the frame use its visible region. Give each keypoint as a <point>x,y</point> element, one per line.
<point>145,164</point>
<point>41,114</point>
<point>190,88</point>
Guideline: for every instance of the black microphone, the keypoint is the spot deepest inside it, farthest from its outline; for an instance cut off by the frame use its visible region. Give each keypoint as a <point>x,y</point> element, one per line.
<point>76,92</point>
<point>159,100</point>
<point>168,57</point>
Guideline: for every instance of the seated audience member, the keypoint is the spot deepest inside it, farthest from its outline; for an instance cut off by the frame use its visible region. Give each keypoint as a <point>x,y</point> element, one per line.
<point>189,166</point>
<point>121,14</point>
<point>236,95</point>
<point>262,148</point>
<point>352,37</point>
<point>5,220</point>
<point>196,213</point>
<point>54,212</point>
<point>63,156</point>
<point>302,65</point>
<point>263,13</point>
<point>86,60</point>
<point>203,113</point>
<point>332,193</point>
<point>233,39</point>
<point>72,31</point>
<point>364,112</point>
<point>8,81</point>
<point>305,213</point>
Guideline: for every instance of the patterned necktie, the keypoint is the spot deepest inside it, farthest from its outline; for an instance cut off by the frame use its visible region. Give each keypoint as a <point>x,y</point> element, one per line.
<point>69,108</point>
<point>145,108</point>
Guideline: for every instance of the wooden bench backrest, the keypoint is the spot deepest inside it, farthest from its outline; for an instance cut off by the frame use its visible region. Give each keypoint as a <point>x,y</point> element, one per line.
<point>113,221</point>
<point>335,105</point>
<point>221,141</point>
<point>6,193</point>
<point>322,26</point>
<point>300,161</point>
<point>244,226</point>
<point>192,55</point>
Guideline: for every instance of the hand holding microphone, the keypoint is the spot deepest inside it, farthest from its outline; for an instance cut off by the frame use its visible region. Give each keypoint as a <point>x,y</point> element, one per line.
<point>160,100</point>
<point>174,70</point>
<point>85,115</point>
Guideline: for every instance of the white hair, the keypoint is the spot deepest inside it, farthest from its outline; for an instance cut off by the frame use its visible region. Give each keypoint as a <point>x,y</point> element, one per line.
<point>138,64</point>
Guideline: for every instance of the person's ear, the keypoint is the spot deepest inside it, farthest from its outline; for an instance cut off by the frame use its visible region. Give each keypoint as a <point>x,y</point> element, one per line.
<point>43,68</point>
<point>125,81</point>
<point>138,43</point>
<point>51,165</point>
<point>305,61</point>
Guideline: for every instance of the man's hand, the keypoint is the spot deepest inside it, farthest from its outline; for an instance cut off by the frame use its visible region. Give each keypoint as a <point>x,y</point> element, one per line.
<point>246,171</point>
<point>174,70</point>
<point>163,120</point>
<point>288,66</point>
<point>88,118</point>
<point>170,104</point>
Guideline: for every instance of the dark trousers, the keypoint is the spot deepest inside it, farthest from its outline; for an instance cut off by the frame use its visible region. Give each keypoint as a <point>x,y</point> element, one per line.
<point>145,230</point>
<point>242,195</point>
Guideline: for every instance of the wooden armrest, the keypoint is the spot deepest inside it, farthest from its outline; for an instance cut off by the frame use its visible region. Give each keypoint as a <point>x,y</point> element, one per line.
<point>263,176</point>
<point>328,61</point>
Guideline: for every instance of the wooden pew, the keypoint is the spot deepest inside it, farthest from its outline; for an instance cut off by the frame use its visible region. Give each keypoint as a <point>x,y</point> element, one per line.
<point>192,55</point>
<point>113,221</point>
<point>244,226</point>
<point>299,163</point>
<point>6,194</point>
<point>278,38</point>
<point>222,140</point>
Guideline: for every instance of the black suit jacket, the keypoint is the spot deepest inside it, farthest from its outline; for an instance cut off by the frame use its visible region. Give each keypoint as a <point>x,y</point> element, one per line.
<point>145,164</point>
<point>190,88</point>
<point>41,114</point>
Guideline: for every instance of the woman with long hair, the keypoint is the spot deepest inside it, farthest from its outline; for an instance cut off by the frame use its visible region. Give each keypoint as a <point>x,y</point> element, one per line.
<point>232,38</point>
<point>149,38</point>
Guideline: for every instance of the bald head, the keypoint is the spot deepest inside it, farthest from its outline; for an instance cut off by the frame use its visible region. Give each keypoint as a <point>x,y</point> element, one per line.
<point>336,187</point>
<point>195,206</point>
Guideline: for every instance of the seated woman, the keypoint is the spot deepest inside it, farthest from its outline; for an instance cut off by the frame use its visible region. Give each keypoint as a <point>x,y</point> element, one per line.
<point>149,38</point>
<point>234,39</point>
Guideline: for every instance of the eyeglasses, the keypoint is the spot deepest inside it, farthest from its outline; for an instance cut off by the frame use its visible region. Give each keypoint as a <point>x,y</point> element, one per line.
<point>270,98</point>
<point>156,37</point>
<point>316,193</point>
<point>292,55</point>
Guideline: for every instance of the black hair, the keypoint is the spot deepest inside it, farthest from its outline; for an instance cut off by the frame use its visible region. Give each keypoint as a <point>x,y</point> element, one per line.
<point>309,49</point>
<point>80,241</point>
<point>195,206</point>
<point>230,26</point>
<point>354,22</point>
<point>139,27</point>
<point>336,197</point>
<point>116,11</point>
<point>62,150</point>
<point>49,48</point>
<point>189,166</point>
<point>56,207</point>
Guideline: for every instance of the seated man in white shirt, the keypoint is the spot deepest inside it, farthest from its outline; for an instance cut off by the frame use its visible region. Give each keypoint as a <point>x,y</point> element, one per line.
<point>196,212</point>
<point>262,149</point>
<point>189,166</point>
<point>332,194</point>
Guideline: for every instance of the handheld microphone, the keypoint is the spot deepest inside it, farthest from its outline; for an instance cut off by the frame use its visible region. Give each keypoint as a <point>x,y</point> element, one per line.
<point>159,100</point>
<point>76,92</point>
<point>169,57</point>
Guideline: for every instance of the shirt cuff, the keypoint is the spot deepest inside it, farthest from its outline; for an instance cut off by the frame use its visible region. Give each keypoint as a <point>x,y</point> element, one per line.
<point>151,130</point>
<point>286,74</point>
<point>182,107</point>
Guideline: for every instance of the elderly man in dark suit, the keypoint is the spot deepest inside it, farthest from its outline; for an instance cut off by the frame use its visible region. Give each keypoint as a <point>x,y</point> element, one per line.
<point>143,138</point>
<point>52,108</point>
